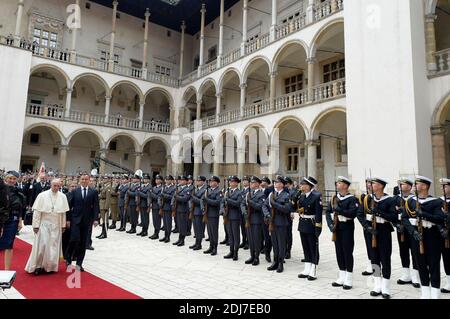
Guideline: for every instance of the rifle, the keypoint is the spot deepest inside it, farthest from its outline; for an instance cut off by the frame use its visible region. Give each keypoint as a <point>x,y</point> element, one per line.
<point>191,213</point>
<point>174,211</point>
<point>447,240</point>
<point>138,198</point>
<point>205,206</point>
<point>335,216</point>
<point>225,208</point>
<point>419,220</point>
<point>161,204</point>
<point>272,220</point>
<point>249,209</point>
<point>402,205</point>
<point>374,217</point>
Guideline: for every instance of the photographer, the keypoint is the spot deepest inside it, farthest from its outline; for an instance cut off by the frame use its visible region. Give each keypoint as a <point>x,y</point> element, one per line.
<point>14,205</point>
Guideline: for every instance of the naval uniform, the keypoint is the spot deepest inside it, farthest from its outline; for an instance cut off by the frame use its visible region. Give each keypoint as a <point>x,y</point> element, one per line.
<point>346,208</point>
<point>213,202</point>
<point>361,216</point>
<point>431,217</point>
<point>445,251</point>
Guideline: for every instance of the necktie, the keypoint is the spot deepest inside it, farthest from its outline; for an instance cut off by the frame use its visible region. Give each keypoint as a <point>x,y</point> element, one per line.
<point>84,193</point>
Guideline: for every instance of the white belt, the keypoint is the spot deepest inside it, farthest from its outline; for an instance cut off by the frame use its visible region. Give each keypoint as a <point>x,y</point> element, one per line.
<point>399,216</point>
<point>341,218</point>
<point>308,216</point>
<point>379,219</point>
<point>425,223</point>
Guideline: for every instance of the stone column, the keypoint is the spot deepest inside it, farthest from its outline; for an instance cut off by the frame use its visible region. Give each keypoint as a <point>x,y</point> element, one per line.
<point>311,66</point>
<point>241,161</point>
<point>273,76</point>
<point>243,87</point>
<point>221,26</point>
<point>169,167</point>
<point>138,160</point>
<point>312,157</point>
<point>68,102</point>
<point>202,40</point>
<point>145,53</point>
<point>102,153</point>
<point>439,147</point>
<point>183,30</point>
<point>430,37</point>
<point>216,164</point>
<point>244,26</point>
<point>113,37</point>
<point>310,12</point>
<point>107,106</point>
<point>63,150</point>
<point>199,109</point>
<point>197,163</point>
<point>274,161</point>
<point>73,51</point>
<point>141,114</point>
<point>20,6</point>
<point>218,105</point>
<point>273,27</point>
<point>334,6</point>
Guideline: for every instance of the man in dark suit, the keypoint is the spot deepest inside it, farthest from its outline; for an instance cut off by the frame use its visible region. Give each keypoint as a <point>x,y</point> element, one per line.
<point>84,211</point>
<point>38,188</point>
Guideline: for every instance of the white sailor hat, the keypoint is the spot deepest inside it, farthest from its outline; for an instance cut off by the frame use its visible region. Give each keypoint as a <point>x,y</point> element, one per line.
<point>379,181</point>
<point>444,181</point>
<point>423,179</point>
<point>343,179</point>
<point>309,180</point>
<point>406,181</point>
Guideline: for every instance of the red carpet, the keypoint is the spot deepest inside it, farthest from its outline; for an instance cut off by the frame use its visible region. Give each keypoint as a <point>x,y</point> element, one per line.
<point>53,286</point>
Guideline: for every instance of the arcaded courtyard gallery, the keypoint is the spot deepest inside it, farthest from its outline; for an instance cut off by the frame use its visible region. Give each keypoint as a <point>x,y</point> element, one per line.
<point>324,85</point>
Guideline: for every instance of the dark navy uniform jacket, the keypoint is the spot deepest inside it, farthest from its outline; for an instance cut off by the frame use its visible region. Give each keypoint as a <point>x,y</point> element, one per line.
<point>213,202</point>
<point>347,210</point>
<point>312,205</point>
<point>166,197</point>
<point>123,189</point>
<point>183,197</point>
<point>234,200</point>
<point>143,194</point>
<point>282,205</point>
<point>431,209</point>
<point>196,198</point>
<point>384,209</point>
<point>252,204</point>
<point>153,196</point>
<point>131,193</point>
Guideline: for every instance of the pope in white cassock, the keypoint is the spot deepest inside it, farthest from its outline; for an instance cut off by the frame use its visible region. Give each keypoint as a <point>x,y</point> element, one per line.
<point>49,222</point>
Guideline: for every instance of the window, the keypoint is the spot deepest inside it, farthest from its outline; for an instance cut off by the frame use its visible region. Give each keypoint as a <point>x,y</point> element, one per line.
<point>292,159</point>
<point>55,151</point>
<point>196,62</point>
<point>113,146</point>
<point>125,156</point>
<point>45,38</point>
<point>334,71</point>
<point>212,53</point>
<point>319,148</point>
<point>34,138</point>
<point>92,154</point>
<point>294,83</point>
<point>341,150</point>
<point>163,70</point>
<point>104,56</point>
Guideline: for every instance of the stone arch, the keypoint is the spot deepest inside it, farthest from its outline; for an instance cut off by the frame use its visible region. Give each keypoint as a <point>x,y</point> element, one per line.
<point>204,86</point>
<point>186,96</point>
<point>90,130</point>
<point>285,119</point>
<point>220,84</point>
<point>153,138</point>
<point>132,85</point>
<point>163,91</point>
<point>50,127</point>
<point>320,33</point>
<point>95,76</point>
<point>137,147</point>
<point>56,69</point>
<point>249,64</point>
<point>286,45</point>
<point>321,116</point>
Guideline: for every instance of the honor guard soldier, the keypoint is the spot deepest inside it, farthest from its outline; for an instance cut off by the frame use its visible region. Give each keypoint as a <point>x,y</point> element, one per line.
<point>143,202</point>
<point>154,194</point>
<point>123,189</point>
<point>409,276</point>
<point>293,192</point>
<point>445,182</point>
<point>165,202</point>
<point>226,225</point>
<point>130,199</point>
<point>104,189</point>
<point>267,243</point>
<point>340,215</point>
<point>244,232</point>
<point>191,187</point>
<point>211,203</point>
<point>114,203</point>
<point>181,201</point>
<point>362,220</point>
<point>422,215</point>
<point>197,212</point>
<point>252,208</point>
<point>233,200</point>
<point>277,209</point>
<point>309,207</point>
<point>379,215</point>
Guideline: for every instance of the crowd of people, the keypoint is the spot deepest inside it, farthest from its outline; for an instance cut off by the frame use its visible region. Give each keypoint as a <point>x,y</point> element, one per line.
<point>257,216</point>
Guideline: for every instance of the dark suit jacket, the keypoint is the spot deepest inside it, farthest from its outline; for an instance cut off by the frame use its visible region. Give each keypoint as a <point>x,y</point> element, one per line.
<point>84,210</point>
<point>37,189</point>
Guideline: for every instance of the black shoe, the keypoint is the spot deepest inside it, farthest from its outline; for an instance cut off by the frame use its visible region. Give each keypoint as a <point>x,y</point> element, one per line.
<point>288,255</point>
<point>228,243</point>
<point>38,271</point>
<point>144,234</point>
<point>207,239</point>
<point>214,252</point>
<point>121,229</point>
<point>255,262</point>
<point>246,247</point>
<point>154,237</point>
<point>112,226</point>
<point>140,225</point>
<point>444,291</point>
<point>386,296</point>
<point>375,294</point>
<point>229,256</point>
<point>335,284</point>
<point>280,268</point>
<point>199,247</point>
<point>175,231</point>
<point>139,234</point>
<point>302,276</point>
<point>189,234</point>
<point>250,261</point>
<point>102,236</point>
<point>223,242</point>
<point>167,240</point>
<point>209,250</point>
<point>268,259</point>
<point>235,256</point>
<point>242,245</point>
<point>346,287</point>
<point>417,285</point>
<point>310,278</point>
<point>401,282</point>
<point>90,248</point>
<point>303,260</point>
<point>272,267</point>
<point>80,268</point>
<point>163,239</point>
<point>181,243</point>
<point>99,235</point>
<point>176,243</point>
<point>193,246</point>
<point>366,273</point>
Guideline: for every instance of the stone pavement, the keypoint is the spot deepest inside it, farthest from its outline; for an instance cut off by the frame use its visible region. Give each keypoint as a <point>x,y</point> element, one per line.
<point>152,269</point>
